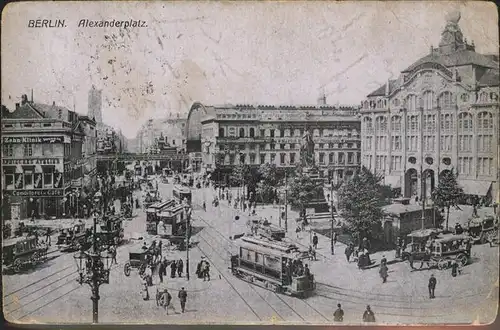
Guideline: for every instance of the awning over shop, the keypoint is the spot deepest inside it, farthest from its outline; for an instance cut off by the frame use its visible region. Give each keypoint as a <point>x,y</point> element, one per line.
<point>476,188</point>
<point>393,181</point>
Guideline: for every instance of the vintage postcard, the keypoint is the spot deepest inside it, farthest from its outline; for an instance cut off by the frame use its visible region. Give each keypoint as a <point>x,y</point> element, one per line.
<point>246,162</point>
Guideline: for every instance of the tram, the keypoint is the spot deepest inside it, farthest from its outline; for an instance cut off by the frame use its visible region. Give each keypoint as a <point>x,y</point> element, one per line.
<point>182,193</point>
<point>152,213</point>
<point>276,266</point>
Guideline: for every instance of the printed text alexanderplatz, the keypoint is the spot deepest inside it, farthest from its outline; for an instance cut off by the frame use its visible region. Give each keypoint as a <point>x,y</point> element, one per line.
<point>111,23</point>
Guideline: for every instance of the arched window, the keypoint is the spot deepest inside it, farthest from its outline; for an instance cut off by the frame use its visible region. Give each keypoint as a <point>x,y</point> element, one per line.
<point>412,124</point>
<point>411,102</point>
<point>445,100</point>
<point>379,104</point>
<point>396,123</point>
<point>380,124</point>
<point>483,97</point>
<point>428,100</point>
<point>242,132</point>
<point>252,132</point>
<point>365,105</point>
<point>465,122</point>
<point>368,123</point>
<point>221,132</point>
<point>485,121</point>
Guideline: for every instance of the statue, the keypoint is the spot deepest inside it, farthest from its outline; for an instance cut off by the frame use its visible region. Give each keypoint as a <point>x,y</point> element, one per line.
<point>307,150</point>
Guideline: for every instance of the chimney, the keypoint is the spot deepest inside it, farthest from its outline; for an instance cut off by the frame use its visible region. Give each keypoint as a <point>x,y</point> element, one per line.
<point>17,106</point>
<point>387,88</point>
<point>24,99</point>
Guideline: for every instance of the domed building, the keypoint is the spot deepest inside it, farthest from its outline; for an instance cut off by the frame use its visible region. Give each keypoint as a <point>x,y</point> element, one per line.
<point>440,114</point>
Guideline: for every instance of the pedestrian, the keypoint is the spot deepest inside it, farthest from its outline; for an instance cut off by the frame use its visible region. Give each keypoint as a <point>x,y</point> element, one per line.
<point>383,261</point>
<point>180,267</point>
<point>166,298</point>
<point>182,297</point>
<point>173,268</point>
<point>297,231</point>
<point>145,292</point>
<point>199,269</point>
<point>334,238</point>
<point>149,275</point>
<point>112,249</point>
<point>383,272</point>
<point>338,315</point>
<point>35,232</point>
<point>48,235</point>
<point>206,272</point>
<point>315,241</point>
<point>432,286</point>
<point>454,268</point>
<point>348,252</point>
<point>33,216</point>
<point>368,315</point>
<point>160,244</point>
<point>204,206</point>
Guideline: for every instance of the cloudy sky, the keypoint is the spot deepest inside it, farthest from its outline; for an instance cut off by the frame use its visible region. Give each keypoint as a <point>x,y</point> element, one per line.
<point>216,53</point>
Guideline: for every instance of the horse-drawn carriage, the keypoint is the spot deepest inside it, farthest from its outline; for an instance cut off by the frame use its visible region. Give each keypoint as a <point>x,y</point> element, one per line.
<point>73,237</point>
<point>111,230</point>
<point>483,230</point>
<point>22,252</point>
<point>142,256</point>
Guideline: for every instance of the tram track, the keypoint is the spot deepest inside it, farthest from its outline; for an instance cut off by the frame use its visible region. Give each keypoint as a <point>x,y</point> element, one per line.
<point>280,299</point>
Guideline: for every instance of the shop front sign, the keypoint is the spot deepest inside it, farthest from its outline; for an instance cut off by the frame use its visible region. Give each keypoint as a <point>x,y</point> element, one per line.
<point>35,192</point>
<point>39,161</point>
<point>36,139</point>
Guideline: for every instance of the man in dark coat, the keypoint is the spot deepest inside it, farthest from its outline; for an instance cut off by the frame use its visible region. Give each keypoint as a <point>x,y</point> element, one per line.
<point>338,315</point>
<point>383,272</point>
<point>180,267</point>
<point>368,315</point>
<point>315,241</point>
<point>183,298</point>
<point>432,286</point>
<point>162,270</point>
<point>454,268</point>
<point>173,268</point>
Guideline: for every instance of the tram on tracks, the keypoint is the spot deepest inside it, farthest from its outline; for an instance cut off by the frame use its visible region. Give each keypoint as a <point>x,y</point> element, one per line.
<point>23,252</point>
<point>276,266</point>
<point>181,194</point>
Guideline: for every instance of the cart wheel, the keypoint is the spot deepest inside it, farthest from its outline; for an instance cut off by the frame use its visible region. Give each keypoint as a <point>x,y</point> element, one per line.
<point>462,259</point>
<point>126,269</point>
<point>36,258</point>
<point>17,265</point>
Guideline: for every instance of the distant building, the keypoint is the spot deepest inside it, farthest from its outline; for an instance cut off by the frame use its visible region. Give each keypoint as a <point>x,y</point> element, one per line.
<point>171,132</point>
<point>440,114</point>
<point>95,104</point>
<point>47,155</point>
<point>228,135</point>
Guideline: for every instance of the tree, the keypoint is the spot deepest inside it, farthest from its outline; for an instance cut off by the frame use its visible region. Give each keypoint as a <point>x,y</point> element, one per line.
<point>360,200</point>
<point>302,190</point>
<point>447,193</point>
<point>242,174</point>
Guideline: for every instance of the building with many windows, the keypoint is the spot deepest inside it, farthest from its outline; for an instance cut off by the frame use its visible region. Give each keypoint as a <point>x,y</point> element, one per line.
<point>246,134</point>
<point>157,134</point>
<point>47,153</point>
<point>441,114</point>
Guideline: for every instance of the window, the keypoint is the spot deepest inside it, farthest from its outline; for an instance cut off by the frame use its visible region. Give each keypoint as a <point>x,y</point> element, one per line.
<point>242,132</point>
<point>242,158</point>
<point>368,125</point>
<point>272,146</point>
<point>241,147</point>
<point>262,146</point>
<point>350,158</point>
<point>446,142</point>
<point>47,149</point>
<point>411,102</point>
<point>262,132</point>
<point>412,143</point>
<point>262,159</point>
<point>231,159</point>
<point>380,124</point>
<point>445,100</point>
<point>252,132</point>
<point>252,158</point>
<point>28,150</point>
<point>429,141</point>
<point>296,132</point>
<point>221,132</point>
<point>483,97</point>
<point>465,122</point>
<point>282,132</point>
<point>282,146</point>
<point>465,165</point>
<point>271,133</point>
<point>412,124</point>
<point>321,158</point>
<point>341,157</point>
<point>485,166</point>
<point>292,158</point>
<point>485,143</point>
<point>48,176</point>
<point>251,146</point>
<point>446,122</point>
<point>273,158</point>
<point>464,97</point>
<point>282,158</point>
<point>331,158</point>
<point>9,177</point>
<point>396,163</point>
<point>485,121</point>
<point>429,123</point>
<point>396,143</point>
<point>28,179</point>
<point>321,146</point>
<point>8,150</point>
<point>428,100</point>
<point>396,123</point>
<point>465,143</point>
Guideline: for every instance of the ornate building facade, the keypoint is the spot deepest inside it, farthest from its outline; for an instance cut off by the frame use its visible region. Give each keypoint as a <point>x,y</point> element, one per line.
<point>441,114</point>
<point>246,134</point>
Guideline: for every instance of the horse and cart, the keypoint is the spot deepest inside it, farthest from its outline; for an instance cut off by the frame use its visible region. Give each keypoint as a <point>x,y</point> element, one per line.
<point>437,250</point>
<point>141,257</point>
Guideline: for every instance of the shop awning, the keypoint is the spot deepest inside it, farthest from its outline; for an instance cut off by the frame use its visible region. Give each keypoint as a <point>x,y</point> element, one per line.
<point>476,188</point>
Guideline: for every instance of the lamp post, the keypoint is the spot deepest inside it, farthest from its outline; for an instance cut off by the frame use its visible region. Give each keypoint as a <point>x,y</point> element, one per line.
<point>188,210</point>
<point>93,269</point>
<point>332,247</point>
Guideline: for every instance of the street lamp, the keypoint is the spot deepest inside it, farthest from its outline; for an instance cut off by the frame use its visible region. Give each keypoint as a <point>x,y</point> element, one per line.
<point>188,232</point>
<point>93,269</point>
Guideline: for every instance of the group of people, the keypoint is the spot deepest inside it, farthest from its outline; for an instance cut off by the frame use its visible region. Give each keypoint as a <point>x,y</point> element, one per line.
<point>296,268</point>
<point>368,315</point>
<point>165,299</point>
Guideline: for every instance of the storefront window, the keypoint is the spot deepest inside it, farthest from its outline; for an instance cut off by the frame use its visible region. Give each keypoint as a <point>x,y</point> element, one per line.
<point>9,177</point>
<point>28,179</point>
<point>48,173</point>
<point>28,150</point>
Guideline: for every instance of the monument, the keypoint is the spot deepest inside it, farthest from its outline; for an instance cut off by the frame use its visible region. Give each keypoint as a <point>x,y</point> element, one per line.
<point>318,203</point>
